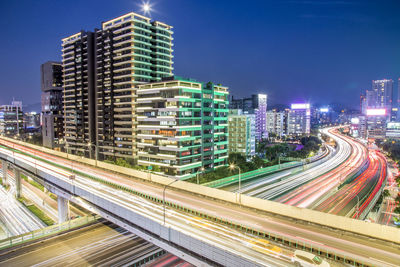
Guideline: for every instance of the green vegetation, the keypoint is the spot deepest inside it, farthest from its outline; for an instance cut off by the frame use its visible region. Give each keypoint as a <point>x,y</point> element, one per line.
<point>6,186</point>
<point>392,147</point>
<point>32,182</point>
<point>124,163</point>
<point>127,164</point>
<point>38,212</point>
<point>53,196</point>
<point>311,145</point>
<point>270,153</point>
<point>237,159</point>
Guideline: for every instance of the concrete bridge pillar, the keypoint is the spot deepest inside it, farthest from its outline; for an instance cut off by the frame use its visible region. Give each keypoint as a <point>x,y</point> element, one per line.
<point>62,209</point>
<point>4,166</point>
<point>17,176</point>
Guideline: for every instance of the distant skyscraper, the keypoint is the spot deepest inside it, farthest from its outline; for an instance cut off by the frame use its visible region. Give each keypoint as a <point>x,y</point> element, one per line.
<point>363,103</point>
<point>276,122</point>
<point>31,121</point>
<point>257,105</point>
<point>52,105</point>
<point>381,95</point>
<point>242,128</point>
<point>298,121</point>
<point>11,119</point>
<point>101,72</point>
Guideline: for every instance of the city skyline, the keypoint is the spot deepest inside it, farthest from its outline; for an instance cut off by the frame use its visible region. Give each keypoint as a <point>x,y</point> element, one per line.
<point>283,79</point>
<point>200,134</point>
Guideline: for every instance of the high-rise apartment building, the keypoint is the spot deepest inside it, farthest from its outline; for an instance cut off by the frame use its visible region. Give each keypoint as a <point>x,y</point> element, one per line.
<point>242,130</point>
<point>276,122</point>
<point>383,90</point>
<point>52,104</point>
<point>257,105</point>
<point>101,72</point>
<point>298,119</point>
<point>381,96</point>
<point>11,119</point>
<point>182,126</point>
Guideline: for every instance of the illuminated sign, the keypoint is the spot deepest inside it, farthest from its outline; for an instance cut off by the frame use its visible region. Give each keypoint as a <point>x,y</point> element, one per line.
<point>355,120</point>
<point>324,110</point>
<point>300,106</point>
<point>376,112</point>
<point>393,125</point>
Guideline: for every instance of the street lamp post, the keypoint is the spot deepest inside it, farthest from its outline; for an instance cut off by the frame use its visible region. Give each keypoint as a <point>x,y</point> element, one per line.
<point>197,175</point>
<point>66,148</point>
<point>358,206</point>
<point>165,187</point>
<point>232,167</point>
<point>95,152</point>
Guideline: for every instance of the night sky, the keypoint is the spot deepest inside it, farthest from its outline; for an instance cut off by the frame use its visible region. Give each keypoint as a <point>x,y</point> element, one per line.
<point>319,51</point>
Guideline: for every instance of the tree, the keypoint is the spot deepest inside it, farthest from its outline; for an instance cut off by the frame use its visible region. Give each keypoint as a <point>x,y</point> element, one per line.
<point>386,193</point>
<point>156,168</point>
<point>258,162</point>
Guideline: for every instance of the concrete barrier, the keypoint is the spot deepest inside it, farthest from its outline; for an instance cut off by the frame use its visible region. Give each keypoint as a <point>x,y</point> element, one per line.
<point>368,229</point>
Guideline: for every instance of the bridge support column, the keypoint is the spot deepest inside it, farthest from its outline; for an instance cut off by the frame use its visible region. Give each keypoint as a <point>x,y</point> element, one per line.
<point>17,176</point>
<point>62,209</point>
<point>4,166</point>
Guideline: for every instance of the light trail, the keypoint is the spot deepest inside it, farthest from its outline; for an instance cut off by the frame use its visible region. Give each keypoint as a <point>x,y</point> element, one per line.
<point>232,238</point>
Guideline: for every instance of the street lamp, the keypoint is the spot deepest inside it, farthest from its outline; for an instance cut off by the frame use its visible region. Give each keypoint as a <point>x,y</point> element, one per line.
<point>197,175</point>
<point>232,167</point>
<point>358,206</point>
<point>95,151</point>
<point>66,147</point>
<point>165,187</point>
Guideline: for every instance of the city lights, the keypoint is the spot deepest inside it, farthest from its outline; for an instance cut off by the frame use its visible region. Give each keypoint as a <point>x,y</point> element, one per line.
<point>146,7</point>
<point>376,112</point>
<point>300,106</point>
<point>355,120</point>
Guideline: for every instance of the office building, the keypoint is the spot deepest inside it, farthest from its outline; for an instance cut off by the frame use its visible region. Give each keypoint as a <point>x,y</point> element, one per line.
<point>276,122</point>
<point>298,119</point>
<point>11,119</point>
<point>52,105</point>
<point>242,130</point>
<point>381,96</point>
<point>31,121</point>
<point>257,105</point>
<point>372,125</point>
<point>101,72</point>
<point>182,126</point>
<point>393,130</point>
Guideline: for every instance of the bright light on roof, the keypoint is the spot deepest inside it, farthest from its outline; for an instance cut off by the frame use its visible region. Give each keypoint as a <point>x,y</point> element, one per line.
<point>376,112</point>
<point>300,106</point>
<point>146,7</point>
<point>324,110</point>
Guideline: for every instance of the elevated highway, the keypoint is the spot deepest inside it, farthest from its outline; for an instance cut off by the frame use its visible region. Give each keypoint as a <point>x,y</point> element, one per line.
<point>204,225</point>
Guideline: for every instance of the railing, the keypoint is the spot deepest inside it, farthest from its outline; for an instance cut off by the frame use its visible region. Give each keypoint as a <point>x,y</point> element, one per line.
<point>269,170</point>
<point>252,174</point>
<point>50,230</point>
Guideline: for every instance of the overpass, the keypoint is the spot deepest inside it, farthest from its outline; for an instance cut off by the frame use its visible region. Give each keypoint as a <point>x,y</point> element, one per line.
<point>204,226</point>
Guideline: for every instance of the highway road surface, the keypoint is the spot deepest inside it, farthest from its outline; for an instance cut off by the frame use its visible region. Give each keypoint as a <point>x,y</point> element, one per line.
<point>95,245</point>
<point>15,217</point>
<point>372,251</point>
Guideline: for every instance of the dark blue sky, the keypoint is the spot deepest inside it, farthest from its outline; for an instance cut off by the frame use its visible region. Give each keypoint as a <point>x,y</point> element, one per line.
<point>322,51</point>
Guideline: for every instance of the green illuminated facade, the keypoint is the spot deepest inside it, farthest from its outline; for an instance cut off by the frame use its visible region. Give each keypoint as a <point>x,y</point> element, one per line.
<point>182,126</point>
